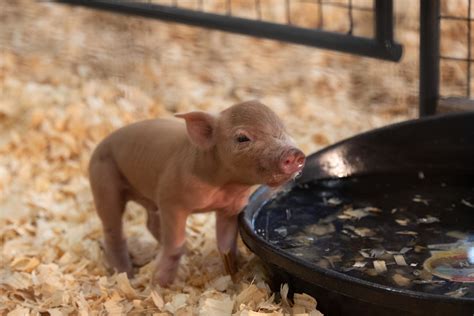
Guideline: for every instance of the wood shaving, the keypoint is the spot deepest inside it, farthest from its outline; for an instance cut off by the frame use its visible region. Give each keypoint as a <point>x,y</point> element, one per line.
<point>401,280</point>
<point>251,295</point>
<point>356,214</point>
<point>380,266</point>
<point>419,199</point>
<point>364,232</point>
<point>284,289</point>
<point>217,307</point>
<point>359,264</point>
<point>428,220</point>
<point>333,201</point>
<point>404,250</point>
<point>407,232</point>
<point>157,300</point>
<point>304,300</point>
<point>467,203</point>
<point>320,229</point>
<point>402,222</point>
<point>333,259</point>
<point>372,209</point>
<point>457,234</point>
<point>459,292</point>
<point>400,260</point>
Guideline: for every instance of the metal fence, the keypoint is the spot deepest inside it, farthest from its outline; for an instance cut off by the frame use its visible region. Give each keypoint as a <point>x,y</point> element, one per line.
<point>318,33</point>
<point>437,58</point>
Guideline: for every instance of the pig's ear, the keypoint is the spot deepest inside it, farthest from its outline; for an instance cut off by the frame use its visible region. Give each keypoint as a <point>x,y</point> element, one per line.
<point>201,127</point>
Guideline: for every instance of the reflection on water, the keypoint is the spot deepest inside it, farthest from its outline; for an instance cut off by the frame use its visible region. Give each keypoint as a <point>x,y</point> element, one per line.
<point>411,231</point>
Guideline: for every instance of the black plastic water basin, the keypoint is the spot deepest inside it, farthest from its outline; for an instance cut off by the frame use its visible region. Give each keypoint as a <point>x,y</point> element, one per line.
<point>381,223</point>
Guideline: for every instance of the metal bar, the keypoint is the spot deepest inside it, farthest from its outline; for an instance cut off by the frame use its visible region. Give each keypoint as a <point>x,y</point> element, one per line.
<point>297,35</point>
<point>341,5</point>
<point>258,8</point>
<point>429,56</point>
<point>468,88</point>
<point>460,18</point>
<point>351,18</point>
<point>384,22</point>
<point>288,11</point>
<point>321,17</point>
<point>455,104</point>
<point>456,58</point>
<point>229,7</point>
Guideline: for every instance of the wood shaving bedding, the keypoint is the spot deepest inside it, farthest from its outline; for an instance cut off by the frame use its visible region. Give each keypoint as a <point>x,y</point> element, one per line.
<point>64,89</point>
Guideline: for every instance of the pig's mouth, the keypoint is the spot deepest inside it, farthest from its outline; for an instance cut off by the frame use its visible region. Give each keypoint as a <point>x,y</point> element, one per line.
<point>280,179</point>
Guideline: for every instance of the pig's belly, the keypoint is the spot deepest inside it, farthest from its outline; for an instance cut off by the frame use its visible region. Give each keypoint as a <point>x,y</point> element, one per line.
<point>229,202</point>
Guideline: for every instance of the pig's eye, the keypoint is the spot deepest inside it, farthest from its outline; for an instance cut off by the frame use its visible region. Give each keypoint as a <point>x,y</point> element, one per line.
<point>242,138</point>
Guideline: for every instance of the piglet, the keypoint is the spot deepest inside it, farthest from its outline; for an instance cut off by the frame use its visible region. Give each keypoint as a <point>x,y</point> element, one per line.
<point>173,170</point>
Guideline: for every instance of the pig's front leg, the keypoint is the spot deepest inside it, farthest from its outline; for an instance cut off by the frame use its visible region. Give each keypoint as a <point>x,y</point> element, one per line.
<point>173,233</point>
<point>226,235</point>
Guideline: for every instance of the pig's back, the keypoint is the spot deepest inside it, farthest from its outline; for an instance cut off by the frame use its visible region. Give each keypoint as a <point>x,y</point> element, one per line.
<point>142,151</point>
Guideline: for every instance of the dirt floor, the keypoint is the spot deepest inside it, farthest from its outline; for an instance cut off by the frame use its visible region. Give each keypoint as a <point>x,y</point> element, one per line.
<point>69,76</point>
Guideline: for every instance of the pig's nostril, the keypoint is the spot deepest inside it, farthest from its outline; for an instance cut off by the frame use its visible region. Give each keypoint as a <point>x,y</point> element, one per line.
<point>300,160</point>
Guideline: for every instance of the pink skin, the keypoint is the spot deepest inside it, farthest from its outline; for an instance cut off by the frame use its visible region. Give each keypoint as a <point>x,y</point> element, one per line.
<point>174,169</point>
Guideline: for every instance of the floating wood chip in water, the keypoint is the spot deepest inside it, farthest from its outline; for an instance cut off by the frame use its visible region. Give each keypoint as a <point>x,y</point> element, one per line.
<point>468,204</point>
<point>400,260</point>
<point>428,220</point>
<point>457,234</point>
<point>333,259</point>
<point>404,250</point>
<point>320,229</point>
<point>354,214</point>
<point>359,264</point>
<point>419,199</point>
<point>407,232</point>
<point>380,266</point>
<point>459,292</point>
<point>402,222</point>
<point>401,280</point>
<point>364,232</point>
<point>334,201</point>
<point>282,231</point>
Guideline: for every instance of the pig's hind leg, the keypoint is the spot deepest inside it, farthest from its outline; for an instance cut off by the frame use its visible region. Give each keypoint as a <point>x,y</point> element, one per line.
<point>153,216</point>
<point>108,191</point>
<point>153,222</point>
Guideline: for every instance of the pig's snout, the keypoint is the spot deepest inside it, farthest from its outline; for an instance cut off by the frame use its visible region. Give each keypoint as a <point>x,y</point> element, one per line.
<point>292,161</point>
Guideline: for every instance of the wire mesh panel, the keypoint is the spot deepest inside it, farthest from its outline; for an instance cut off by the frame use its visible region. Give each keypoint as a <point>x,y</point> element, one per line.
<point>332,24</point>
<point>456,55</point>
<point>446,56</point>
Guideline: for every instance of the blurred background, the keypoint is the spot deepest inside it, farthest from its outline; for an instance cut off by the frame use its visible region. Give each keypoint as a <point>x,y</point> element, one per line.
<point>70,75</point>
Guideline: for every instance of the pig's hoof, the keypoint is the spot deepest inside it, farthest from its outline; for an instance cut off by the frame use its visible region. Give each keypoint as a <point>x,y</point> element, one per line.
<point>120,264</point>
<point>129,273</point>
<point>230,263</point>
<point>163,278</point>
<point>127,269</point>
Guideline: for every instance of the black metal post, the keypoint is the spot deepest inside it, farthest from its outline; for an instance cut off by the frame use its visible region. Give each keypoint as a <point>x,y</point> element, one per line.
<point>429,56</point>
<point>384,21</point>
